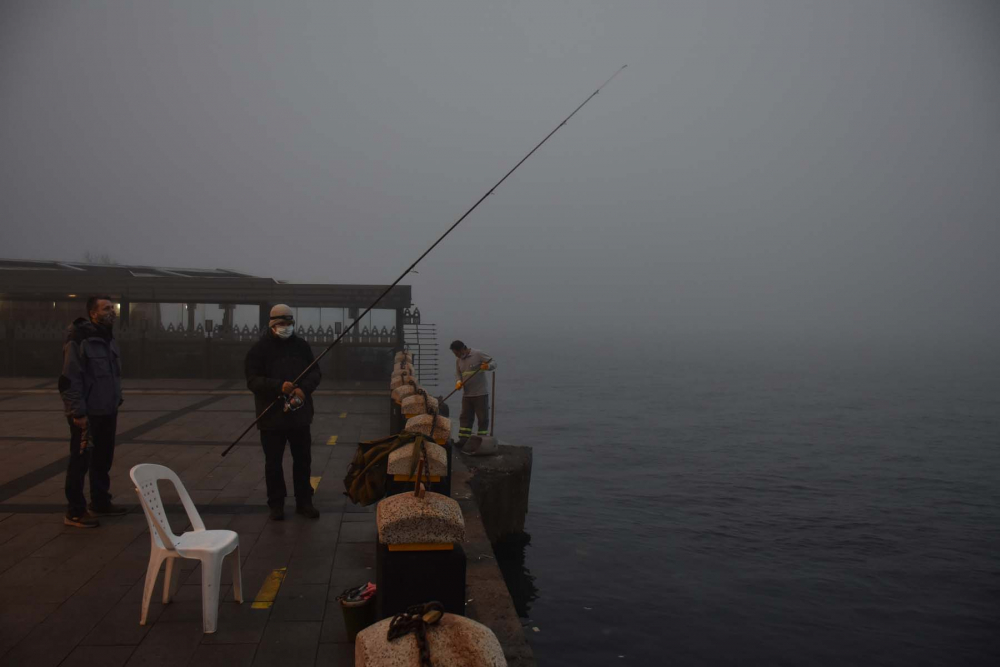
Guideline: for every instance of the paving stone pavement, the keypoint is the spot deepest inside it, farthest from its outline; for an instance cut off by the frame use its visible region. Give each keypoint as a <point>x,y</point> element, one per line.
<point>71,597</point>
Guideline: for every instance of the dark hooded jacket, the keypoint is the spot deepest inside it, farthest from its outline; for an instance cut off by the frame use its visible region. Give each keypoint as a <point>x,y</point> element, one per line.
<point>271,362</point>
<point>91,380</point>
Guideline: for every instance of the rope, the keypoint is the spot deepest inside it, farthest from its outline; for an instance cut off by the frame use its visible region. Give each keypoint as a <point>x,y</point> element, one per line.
<point>416,619</point>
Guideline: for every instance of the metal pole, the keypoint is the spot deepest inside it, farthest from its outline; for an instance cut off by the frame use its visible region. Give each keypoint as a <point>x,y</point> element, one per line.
<point>493,417</point>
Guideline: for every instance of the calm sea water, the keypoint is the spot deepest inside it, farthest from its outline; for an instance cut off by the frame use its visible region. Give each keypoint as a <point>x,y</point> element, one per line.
<point>708,505</point>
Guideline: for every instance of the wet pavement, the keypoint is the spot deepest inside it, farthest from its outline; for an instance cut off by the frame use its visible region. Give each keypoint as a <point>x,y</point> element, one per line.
<point>72,597</point>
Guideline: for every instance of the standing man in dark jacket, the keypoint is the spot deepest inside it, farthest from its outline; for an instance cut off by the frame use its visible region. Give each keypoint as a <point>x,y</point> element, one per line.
<point>271,365</point>
<point>91,390</point>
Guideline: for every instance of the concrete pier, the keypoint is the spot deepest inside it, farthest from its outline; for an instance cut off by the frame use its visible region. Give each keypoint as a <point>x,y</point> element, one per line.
<point>71,597</point>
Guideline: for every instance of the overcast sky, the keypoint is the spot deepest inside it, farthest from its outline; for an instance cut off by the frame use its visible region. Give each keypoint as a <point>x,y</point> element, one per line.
<point>783,167</point>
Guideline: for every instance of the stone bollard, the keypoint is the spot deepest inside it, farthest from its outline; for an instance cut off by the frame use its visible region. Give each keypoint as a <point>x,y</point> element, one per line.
<point>419,556</point>
<point>403,391</point>
<point>418,404</point>
<point>399,479</point>
<point>402,369</point>
<point>401,380</point>
<point>435,427</point>
<point>454,641</point>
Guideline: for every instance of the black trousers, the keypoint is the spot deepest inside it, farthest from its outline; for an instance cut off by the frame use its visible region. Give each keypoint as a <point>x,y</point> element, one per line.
<point>474,408</point>
<point>299,441</point>
<point>97,460</point>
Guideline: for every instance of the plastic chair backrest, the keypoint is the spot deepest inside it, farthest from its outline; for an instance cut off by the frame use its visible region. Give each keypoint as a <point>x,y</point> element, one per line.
<point>145,477</point>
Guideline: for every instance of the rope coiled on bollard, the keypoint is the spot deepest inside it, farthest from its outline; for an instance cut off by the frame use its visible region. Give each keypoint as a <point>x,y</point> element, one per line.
<point>416,619</point>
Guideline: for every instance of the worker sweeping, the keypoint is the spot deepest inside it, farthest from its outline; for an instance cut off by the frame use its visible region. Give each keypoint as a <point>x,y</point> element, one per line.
<point>471,380</point>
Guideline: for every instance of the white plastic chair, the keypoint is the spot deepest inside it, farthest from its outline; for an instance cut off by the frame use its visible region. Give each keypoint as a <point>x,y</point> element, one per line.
<point>208,546</point>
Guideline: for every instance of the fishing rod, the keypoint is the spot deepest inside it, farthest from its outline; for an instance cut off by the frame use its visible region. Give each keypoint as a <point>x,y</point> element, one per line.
<point>315,361</point>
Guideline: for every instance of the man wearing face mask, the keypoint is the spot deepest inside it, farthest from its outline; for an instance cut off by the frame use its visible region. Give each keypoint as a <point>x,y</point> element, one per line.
<point>271,365</point>
<point>91,389</point>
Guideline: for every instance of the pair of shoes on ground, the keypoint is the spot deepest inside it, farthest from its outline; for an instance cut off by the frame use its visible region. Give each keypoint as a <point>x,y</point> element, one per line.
<point>305,509</point>
<point>88,519</point>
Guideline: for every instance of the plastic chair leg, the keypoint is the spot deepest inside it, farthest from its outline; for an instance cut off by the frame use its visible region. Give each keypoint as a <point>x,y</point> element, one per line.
<point>152,571</point>
<point>237,576</point>
<point>171,580</point>
<point>211,578</point>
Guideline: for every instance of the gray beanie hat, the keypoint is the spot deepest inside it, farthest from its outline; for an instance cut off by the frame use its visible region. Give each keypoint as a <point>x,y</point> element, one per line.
<point>281,314</point>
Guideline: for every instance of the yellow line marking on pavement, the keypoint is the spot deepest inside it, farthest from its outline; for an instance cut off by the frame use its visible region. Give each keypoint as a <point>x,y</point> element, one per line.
<point>314,481</point>
<point>343,415</point>
<point>269,590</point>
<point>332,440</point>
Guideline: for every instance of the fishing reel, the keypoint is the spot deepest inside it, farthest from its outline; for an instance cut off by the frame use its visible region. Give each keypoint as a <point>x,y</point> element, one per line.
<point>293,403</point>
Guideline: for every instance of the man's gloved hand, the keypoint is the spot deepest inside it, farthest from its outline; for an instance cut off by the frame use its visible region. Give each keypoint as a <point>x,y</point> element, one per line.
<point>458,385</point>
<point>80,422</point>
<point>299,394</point>
<point>485,366</point>
<point>287,388</point>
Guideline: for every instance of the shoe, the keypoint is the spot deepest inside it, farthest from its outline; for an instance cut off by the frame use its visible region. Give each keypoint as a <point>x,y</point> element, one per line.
<point>307,510</point>
<point>471,446</point>
<point>278,513</point>
<point>107,509</point>
<point>82,521</point>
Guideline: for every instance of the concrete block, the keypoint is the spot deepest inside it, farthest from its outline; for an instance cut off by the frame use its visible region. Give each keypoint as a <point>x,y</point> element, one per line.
<point>501,486</point>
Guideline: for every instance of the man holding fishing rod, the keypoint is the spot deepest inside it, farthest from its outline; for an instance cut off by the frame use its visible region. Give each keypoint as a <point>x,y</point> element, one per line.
<point>271,365</point>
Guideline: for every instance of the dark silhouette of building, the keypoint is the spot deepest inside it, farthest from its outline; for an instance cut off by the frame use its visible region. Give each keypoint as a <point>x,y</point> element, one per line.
<point>216,316</point>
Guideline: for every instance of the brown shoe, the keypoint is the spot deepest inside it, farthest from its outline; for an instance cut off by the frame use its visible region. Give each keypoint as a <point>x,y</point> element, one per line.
<point>82,521</point>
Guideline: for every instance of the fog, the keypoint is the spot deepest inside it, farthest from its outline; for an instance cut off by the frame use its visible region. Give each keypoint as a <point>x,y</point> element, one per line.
<point>784,170</point>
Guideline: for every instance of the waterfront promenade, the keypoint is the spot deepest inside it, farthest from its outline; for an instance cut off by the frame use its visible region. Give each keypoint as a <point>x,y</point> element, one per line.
<point>71,597</point>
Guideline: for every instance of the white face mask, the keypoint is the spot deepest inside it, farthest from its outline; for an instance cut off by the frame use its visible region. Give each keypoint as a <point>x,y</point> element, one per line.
<point>284,331</point>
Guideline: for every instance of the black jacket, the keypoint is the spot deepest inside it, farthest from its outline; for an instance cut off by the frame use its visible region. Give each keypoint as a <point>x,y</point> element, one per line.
<point>91,380</point>
<point>272,362</point>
